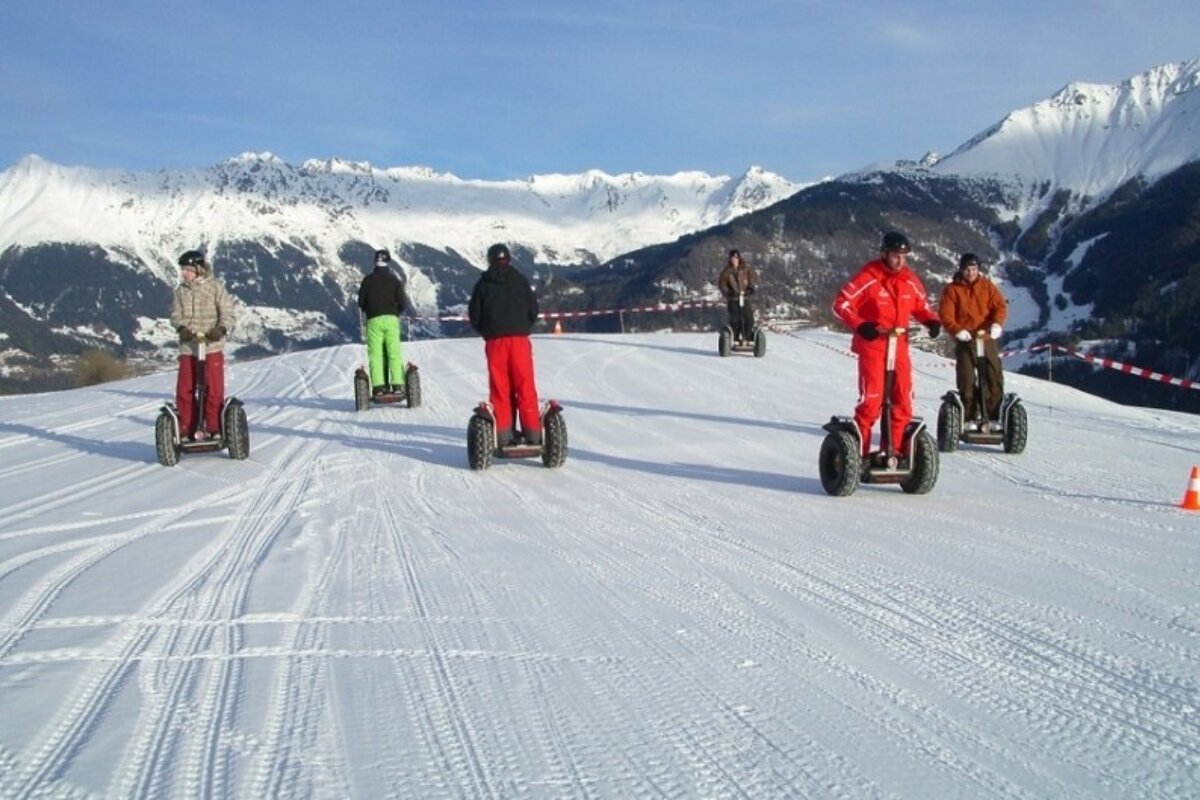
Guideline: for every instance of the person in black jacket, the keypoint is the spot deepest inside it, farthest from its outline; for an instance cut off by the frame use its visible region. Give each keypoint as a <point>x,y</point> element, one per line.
<point>381,299</point>
<point>503,310</point>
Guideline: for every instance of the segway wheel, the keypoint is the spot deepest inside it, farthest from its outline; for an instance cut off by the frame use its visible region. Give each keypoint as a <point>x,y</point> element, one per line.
<point>164,440</point>
<point>949,426</point>
<point>362,391</point>
<point>1016,430</point>
<point>412,386</point>
<point>237,432</point>
<point>724,342</point>
<point>840,463</point>
<point>481,440</point>
<point>760,343</point>
<point>925,466</point>
<point>554,440</point>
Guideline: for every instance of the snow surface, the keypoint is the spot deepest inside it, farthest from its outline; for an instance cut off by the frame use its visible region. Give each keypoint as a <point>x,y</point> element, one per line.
<point>679,611</point>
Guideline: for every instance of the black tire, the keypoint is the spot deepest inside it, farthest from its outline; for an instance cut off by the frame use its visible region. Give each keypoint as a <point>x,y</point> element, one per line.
<point>237,432</point>
<point>925,465</point>
<point>949,426</point>
<point>840,463</point>
<point>554,440</point>
<point>362,391</point>
<point>1016,431</point>
<point>412,387</point>
<point>164,440</point>
<point>760,344</point>
<point>480,442</point>
<point>724,342</point>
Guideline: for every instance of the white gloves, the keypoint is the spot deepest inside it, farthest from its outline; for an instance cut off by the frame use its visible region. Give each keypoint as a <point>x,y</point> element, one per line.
<point>995,331</point>
<point>963,335</point>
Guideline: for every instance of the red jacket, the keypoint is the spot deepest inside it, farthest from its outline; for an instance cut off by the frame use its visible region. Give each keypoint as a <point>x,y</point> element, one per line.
<point>877,294</point>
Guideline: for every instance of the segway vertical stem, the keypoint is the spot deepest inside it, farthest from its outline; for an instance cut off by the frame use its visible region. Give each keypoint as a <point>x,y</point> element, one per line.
<point>981,364</point>
<point>889,380</point>
<point>201,386</point>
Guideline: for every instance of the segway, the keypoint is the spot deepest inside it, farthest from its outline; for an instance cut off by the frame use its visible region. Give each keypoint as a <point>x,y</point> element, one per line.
<point>913,464</point>
<point>409,393</point>
<point>727,343</point>
<point>170,441</point>
<point>1011,430</point>
<point>483,443</point>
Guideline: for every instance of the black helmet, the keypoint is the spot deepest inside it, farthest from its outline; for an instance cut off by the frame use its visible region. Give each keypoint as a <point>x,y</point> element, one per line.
<point>895,242</point>
<point>192,258</point>
<point>968,260</point>
<point>382,257</point>
<point>498,253</point>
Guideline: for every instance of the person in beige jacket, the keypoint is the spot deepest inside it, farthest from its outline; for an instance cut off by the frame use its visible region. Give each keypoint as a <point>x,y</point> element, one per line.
<point>201,311</point>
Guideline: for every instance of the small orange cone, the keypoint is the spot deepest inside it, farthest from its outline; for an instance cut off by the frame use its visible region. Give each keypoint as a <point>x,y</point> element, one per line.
<point>1191,498</point>
<point>558,327</point>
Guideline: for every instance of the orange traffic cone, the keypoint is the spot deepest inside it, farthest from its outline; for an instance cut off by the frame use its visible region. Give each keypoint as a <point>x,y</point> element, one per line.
<point>1191,498</point>
<point>558,327</point>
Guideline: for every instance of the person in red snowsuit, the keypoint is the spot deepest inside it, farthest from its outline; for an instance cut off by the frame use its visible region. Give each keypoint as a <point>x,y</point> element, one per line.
<point>882,297</point>
<point>503,310</point>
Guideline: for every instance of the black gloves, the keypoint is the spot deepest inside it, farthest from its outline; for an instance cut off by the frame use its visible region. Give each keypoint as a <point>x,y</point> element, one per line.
<point>217,332</point>
<point>934,329</point>
<point>185,333</point>
<point>868,331</point>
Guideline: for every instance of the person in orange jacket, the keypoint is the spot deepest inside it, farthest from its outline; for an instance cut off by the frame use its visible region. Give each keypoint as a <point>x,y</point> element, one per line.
<point>881,297</point>
<point>970,304</point>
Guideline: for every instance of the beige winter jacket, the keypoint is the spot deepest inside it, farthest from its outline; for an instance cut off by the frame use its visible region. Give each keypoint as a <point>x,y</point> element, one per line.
<point>201,306</point>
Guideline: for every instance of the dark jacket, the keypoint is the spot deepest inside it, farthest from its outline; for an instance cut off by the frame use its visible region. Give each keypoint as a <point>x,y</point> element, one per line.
<point>734,280</point>
<point>382,293</point>
<point>503,303</point>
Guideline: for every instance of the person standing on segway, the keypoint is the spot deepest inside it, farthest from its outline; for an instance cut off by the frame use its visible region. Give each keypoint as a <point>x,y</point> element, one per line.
<point>201,310</point>
<point>737,282</point>
<point>503,310</point>
<point>382,300</point>
<point>879,299</point>
<point>971,305</point>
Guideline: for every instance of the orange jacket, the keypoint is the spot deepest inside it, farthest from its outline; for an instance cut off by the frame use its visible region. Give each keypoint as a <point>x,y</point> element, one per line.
<point>971,306</point>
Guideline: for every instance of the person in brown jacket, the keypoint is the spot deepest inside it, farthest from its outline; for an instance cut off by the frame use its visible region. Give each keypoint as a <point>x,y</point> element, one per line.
<point>737,282</point>
<point>201,310</point>
<point>972,306</point>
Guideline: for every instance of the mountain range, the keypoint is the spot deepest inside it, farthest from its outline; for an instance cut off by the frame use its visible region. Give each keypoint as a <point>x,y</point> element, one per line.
<point>1085,206</point>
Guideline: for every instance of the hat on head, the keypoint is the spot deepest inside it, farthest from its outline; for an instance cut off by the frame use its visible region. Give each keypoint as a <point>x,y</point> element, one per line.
<point>192,259</point>
<point>735,252</point>
<point>382,258</point>
<point>969,260</point>
<point>498,253</point>
<point>895,242</point>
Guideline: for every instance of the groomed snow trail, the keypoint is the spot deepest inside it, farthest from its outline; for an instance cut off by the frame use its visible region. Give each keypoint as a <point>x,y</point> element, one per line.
<point>679,611</point>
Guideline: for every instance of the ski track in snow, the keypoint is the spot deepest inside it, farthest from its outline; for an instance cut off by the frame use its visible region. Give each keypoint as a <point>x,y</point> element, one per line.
<point>679,611</point>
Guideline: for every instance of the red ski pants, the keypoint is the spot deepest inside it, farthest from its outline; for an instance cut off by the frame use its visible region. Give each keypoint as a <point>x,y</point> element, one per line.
<point>214,386</point>
<point>872,361</point>
<point>510,373</point>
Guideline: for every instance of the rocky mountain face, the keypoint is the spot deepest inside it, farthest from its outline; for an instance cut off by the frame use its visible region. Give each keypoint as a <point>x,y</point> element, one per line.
<point>1085,207</point>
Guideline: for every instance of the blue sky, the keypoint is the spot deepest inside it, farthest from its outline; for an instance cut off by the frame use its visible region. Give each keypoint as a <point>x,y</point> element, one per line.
<point>509,89</point>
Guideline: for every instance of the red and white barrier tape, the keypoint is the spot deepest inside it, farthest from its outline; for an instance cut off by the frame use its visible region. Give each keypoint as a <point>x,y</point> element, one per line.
<point>1128,369</point>
<point>598,312</point>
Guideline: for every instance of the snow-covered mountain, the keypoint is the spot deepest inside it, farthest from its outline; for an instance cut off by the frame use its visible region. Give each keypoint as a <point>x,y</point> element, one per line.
<point>559,219</point>
<point>87,256</point>
<point>1092,138</point>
